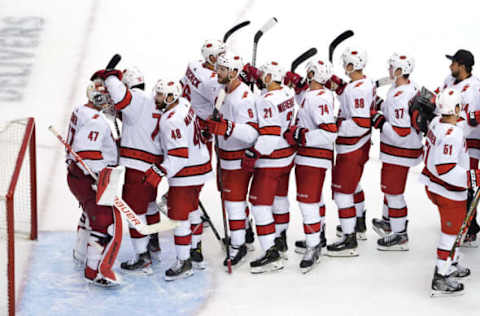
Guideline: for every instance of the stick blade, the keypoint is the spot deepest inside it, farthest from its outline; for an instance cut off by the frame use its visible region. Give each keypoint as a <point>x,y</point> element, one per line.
<point>300,59</point>
<point>114,61</point>
<point>234,29</point>
<point>340,38</point>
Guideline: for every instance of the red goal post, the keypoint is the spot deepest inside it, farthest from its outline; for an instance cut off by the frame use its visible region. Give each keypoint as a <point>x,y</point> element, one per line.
<point>18,199</point>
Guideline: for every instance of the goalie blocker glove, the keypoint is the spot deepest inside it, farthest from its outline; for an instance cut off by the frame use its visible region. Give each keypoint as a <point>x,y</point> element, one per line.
<point>154,175</point>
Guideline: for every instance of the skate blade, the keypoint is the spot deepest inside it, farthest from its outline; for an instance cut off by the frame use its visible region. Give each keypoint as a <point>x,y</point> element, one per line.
<point>343,253</point>
<point>184,275</point>
<point>199,265</point>
<point>300,250</point>
<point>110,285</point>
<point>393,248</point>
<point>272,266</point>
<point>380,232</point>
<point>436,293</point>
<point>250,246</point>
<point>143,271</point>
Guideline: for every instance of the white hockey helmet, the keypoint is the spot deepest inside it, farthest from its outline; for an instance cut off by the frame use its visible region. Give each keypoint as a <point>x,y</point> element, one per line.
<point>133,77</point>
<point>356,57</point>
<point>322,70</point>
<point>98,95</point>
<point>447,101</point>
<point>403,62</point>
<point>230,61</point>
<point>167,88</point>
<point>212,48</point>
<point>274,69</point>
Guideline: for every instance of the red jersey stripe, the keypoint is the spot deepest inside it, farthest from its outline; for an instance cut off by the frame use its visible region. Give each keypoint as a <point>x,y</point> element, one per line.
<point>401,152</point>
<point>124,102</point>
<point>179,152</point>
<point>444,168</point>
<point>90,154</point>
<point>270,130</point>
<point>401,131</point>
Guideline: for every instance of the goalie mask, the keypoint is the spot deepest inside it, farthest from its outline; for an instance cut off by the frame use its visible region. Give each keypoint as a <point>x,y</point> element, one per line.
<point>98,96</point>
<point>322,71</point>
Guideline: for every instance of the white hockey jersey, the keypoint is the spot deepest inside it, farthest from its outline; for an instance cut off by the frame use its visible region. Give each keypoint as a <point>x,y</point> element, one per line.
<point>354,114</point>
<point>200,87</point>
<point>186,158</point>
<point>276,110</point>
<point>469,89</point>
<point>239,107</point>
<point>91,138</point>
<point>400,144</point>
<point>139,146</point>
<point>446,161</point>
<point>316,113</point>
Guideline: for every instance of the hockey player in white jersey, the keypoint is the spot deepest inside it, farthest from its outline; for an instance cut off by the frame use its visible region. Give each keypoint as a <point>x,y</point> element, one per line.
<point>139,148</point>
<point>353,147</point>
<point>90,137</point>
<point>237,129</point>
<point>462,80</point>
<point>186,165</point>
<point>314,136</point>
<point>271,159</point>
<point>400,148</point>
<point>447,176</point>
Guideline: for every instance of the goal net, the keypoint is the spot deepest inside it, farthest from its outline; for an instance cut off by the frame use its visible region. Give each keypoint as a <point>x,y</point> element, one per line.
<point>18,201</point>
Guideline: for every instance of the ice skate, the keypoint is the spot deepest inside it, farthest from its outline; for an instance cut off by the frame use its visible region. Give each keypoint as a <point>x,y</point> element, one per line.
<point>445,286</point>
<point>393,242</point>
<point>310,258</point>
<point>281,245</point>
<point>271,261</point>
<point>141,263</point>
<point>153,247</point>
<point>345,247</point>
<point>250,238</point>
<point>360,229</point>
<point>237,256</point>
<point>301,245</point>
<point>458,271</point>
<point>180,270</point>
<point>196,257</point>
<point>381,227</point>
<point>95,278</point>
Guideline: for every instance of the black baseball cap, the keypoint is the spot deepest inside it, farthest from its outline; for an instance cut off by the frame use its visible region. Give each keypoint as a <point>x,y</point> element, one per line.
<point>463,57</point>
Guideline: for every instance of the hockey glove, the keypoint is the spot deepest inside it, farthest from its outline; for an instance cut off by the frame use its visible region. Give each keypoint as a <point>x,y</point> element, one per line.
<point>105,73</point>
<point>248,162</point>
<point>295,81</point>
<point>377,120</point>
<point>473,178</point>
<point>154,175</point>
<point>336,84</point>
<point>250,74</point>
<point>222,127</point>
<point>473,118</point>
<point>378,103</point>
<point>295,136</point>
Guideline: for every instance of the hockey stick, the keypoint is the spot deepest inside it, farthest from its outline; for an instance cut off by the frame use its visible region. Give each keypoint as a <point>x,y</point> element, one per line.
<point>216,116</point>
<point>265,28</point>
<point>234,29</point>
<point>339,39</point>
<point>300,59</point>
<point>206,218</point>
<point>114,61</point>
<point>118,202</point>
<point>463,229</point>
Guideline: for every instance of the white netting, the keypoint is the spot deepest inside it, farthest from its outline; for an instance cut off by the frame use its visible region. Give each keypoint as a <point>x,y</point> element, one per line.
<point>12,134</point>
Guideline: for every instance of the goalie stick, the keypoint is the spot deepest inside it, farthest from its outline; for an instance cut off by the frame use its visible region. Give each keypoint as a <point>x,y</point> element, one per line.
<point>118,202</point>
<point>234,29</point>
<point>337,41</point>
<point>463,230</point>
<point>300,59</point>
<point>216,116</point>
